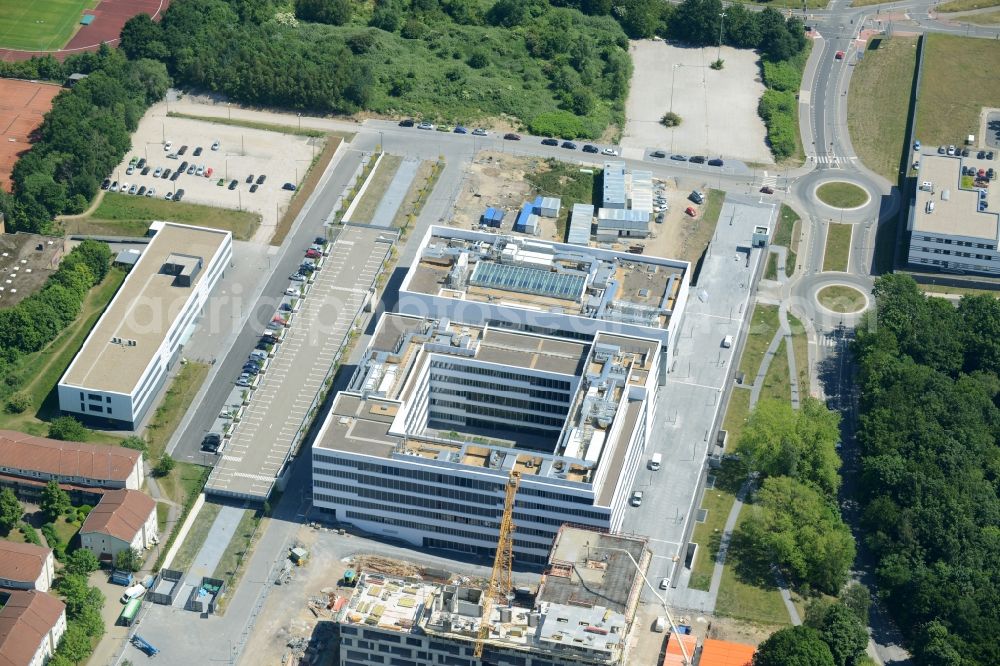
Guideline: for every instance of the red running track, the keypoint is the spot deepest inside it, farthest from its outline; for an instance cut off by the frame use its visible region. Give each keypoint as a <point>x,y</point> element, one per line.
<point>110,16</point>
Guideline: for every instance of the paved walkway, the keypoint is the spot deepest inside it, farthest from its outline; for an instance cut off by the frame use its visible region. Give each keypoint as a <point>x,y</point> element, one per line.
<point>393,196</point>
<point>219,535</point>
<point>784,332</point>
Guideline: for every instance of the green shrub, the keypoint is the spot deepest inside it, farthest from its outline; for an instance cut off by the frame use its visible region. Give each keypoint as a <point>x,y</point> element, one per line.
<point>556,123</point>
<point>18,403</point>
<point>670,119</point>
<point>782,75</point>
<point>30,534</point>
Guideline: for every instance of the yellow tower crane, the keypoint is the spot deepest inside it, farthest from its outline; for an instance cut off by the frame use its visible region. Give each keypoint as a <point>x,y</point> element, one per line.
<point>501,581</point>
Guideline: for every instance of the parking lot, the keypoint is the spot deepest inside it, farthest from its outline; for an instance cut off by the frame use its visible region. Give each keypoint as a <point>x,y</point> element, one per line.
<point>718,109</point>
<point>267,159</point>
<point>283,393</point>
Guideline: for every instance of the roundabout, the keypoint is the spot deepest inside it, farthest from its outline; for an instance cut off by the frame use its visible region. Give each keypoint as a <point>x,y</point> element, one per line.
<point>842,194</point>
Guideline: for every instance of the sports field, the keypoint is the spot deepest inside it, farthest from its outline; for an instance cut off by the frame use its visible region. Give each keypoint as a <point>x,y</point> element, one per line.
<point>22,106</point>
<point>40,25</point>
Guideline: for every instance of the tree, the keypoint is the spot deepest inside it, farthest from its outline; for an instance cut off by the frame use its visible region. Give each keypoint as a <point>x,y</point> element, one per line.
<point>844,634</point>
<point>164,466</point>
<point>128,560</point>
<point>81,561</point>
<point>55,500</point>
<point>794,646</point>
<point>67,429</point>
<point>779,440</point>
<point>794,526</point>
<point>78,595</point>
<point>75,644</point>
<point>696,22</point>
<point>334,12</point>
<point>136,443</point>
<point>857,598</point>
<point>10,510</point>
<point>141,38</point>
<point>18,403</point>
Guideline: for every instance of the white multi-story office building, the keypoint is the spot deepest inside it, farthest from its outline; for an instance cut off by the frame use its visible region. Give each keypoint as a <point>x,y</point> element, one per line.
<point>537,286</point>
<point>954,226</point>
<point>123,363</point>
<point>582,613</point>
<point>421,444</point>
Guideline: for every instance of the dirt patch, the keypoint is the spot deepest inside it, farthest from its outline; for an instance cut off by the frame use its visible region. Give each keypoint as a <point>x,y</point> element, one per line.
<point>498,180</point>
<point>24,268</point>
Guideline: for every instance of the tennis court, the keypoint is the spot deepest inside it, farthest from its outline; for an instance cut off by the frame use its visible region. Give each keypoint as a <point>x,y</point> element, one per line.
<point>22,105</point>
<point>40,26</point>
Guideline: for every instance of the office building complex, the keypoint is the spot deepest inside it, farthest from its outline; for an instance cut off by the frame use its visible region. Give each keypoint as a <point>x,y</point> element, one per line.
<point>123,363</point>
<point>421,444</point>
<point>581,615</point>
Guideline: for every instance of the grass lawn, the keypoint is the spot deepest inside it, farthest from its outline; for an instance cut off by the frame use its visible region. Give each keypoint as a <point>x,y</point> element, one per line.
<point>421,187</point>
<point>40,372</point>
<point>771,269</point>
<point>986,18</point>
<point>954,89</point>
<point>130,215</point>
<point>878,102</point>
<point>777,383</point>
<point>702,228</point>
<point>566,181</point>
<point>736,416</point>
<point>842,195</point>
<point>238,546</point>
<point>717,501</point>
<point>162,512</point>
<point>40,26</point>
<point>15,535</point>
<point>270,127</point>
<point>762,329</point>
<point>196,536</point>
<point>744,601</point>
<point>377,185</point>
<point>965,5</point>
<point>787,233</point>
<point>800,346</point>
<point>305,190</point>
<point>65,531</point>
<point>940,289</point>
<point>841,299</point>
<point>838,247</point>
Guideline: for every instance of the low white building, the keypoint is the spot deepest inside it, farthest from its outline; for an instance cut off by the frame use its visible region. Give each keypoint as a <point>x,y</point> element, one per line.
<point>31,624</point>
<point>421,444</point>
<point>118,372</point>
<point>123,519</point>
<point>25,566</point>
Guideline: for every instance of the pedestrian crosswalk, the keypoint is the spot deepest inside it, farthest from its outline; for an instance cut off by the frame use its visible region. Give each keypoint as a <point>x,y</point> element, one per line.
<point>769,181</point>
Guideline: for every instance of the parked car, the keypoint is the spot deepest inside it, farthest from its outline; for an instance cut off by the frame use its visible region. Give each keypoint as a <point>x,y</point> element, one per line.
<point>168,196</point>
<point>243,380</point>
<point>691,211</point>
<point>479,131</point>
<point>145,170</point>
<point>658,154</point>
<point>679,158</point>
<point>208,172</point>
<point>568,145</point>
<point>151,192</point>
<point>965,152</point>
<point>444,128</point>
<point>172,156</point>
<point>176,175</point>
<point>288,186</point>
<point>406,122</point>
<point>184,166</point>
<point>637,498</point>
<point>233,184</point>
<point>216,145</point>
<point>253,188</point>
<point>157,172</point>
<point>425,126</point>
<point>165,174</point>
<point>141,191</point>
<point>191,169</point>
<point>942,150</point>
<point>293,291</point>
<point>697,197</point>
<point>698,159</point>
<point>767,190</point>
<point>981,155</point>
<point>510,136</point>
<point>197,151</point>
<point>167,145</point>
<point>178,195</point>
<point>916,145</point>
<point>312,254</point>
<point>129,171</point>
<point>461,130</point>
<point>297,277</point>
<point>182,150</point>
<point>249,179</point>
<point>261,178</point>
<point>211,442</point>
<point>106,184</point>
<point>320,240</point>
<point>664,583</point>
<point>715,162</point>
<point>200,171</point>
<point>307,269</point>
<point>123,187</point>
<point>951,150</point>
<point>132,189</point>
<point>589,148</point>
<point>610,151</point>
<point>285,307</point>
<point>989,154</point>
<point>550,142</point>
<point>132,162</point>
<point>114,186</point>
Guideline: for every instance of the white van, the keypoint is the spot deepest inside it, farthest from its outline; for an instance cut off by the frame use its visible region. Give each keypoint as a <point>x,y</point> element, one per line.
<point>655,461</point>
<point>133,592</point>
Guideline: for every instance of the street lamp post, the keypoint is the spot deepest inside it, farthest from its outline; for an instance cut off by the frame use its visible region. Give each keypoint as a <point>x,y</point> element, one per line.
<point>663,602</point>
<point>722,21</point>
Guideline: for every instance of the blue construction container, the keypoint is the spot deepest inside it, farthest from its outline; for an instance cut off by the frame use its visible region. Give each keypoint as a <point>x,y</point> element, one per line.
<point>487,217</point>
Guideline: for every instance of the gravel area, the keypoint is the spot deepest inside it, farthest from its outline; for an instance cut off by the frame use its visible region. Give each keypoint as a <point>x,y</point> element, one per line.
<point>718,108</point>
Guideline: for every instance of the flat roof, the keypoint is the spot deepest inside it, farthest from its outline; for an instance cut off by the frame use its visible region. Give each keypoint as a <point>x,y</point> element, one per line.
<point>958,215</point>
<point>589,568</point>
<point>131,330</point>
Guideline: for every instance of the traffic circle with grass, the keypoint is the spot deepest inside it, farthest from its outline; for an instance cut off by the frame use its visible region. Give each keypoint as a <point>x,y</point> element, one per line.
<point>841,194</point>
<point>842,299</point>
